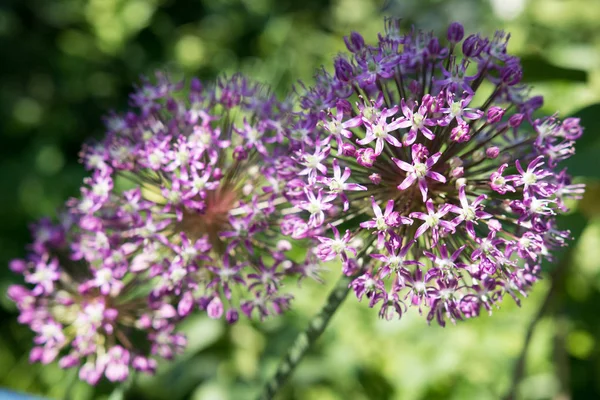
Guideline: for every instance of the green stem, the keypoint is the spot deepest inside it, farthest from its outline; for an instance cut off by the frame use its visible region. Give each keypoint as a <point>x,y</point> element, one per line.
<point>557,279</point>
<point>306,339</point>
<point>520,364</point>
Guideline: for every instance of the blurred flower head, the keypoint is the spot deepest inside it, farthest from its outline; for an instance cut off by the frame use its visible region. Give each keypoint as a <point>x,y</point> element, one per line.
<point>88,308</point>
<point>202,199</point>
<point>181,212</point>
<point>422,166</point>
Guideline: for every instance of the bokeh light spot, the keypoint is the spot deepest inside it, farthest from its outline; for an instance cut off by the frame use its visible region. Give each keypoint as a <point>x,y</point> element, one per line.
<point>27,111</point>
<point>74,43</point>
<point>189,51</point>
<point>580,344</point>
<point>508,9</point>
<point>49,160</point>
<point>137,14</point>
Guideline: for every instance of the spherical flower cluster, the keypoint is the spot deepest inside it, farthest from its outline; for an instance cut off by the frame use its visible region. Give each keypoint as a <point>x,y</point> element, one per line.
<point>181,211</point>
<point>85,305</point>
<point>202,197</point>
<point>422,167</point>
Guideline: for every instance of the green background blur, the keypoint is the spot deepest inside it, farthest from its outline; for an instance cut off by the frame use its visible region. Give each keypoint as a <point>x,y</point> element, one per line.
<point>65,63</point>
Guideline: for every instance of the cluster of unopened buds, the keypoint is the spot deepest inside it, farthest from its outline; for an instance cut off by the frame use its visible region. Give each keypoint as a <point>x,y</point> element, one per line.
<point>428,197</point>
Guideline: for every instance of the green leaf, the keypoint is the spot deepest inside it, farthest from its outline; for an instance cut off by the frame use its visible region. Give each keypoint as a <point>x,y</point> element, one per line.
<point>538,69</point>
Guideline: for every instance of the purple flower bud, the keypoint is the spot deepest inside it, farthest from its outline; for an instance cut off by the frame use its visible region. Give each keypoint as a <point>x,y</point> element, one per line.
<point>472,46</point>
<point>571,128</point>
<point>280,304</point>
<point>355,42</point>
<point>167,311</point>
<point>366,157</point>
<point>428,101</point>
<point>117,369</point>
<point>247,307</point>
<point>492,152</point>
<point>433,47</point>
<point>364,285</point>
<point>231,316</point>
<point>111,314</point>
<point>35,354</point>
<point>90,373</point>
<point>239,153</point>
<point>144,321</point>
<point>215,308</point>
<point>350,267</point>
<point>469,306</point>
<point>460,133</point>
<point>217,173</point>
<point>90,223</point>
<point>494,225</point>
<point>196,85</point>
<point>515,120</point>
<point>48,355</point>
<point>457,172</point>
<point>394,219</point>
<point>343,70</point>
<point>512,74</point>
<point>17,293</point>
<point>375,178</point>
<point>419,151</point>
<point>68,361</point>
<point>534,103</point>
<point>284,245</point>
<point>185,304</point>
<point>17,266</point>
<point>203,302</point>
<point>455,32</point>
<point>348,150</point>
<point>144,364</point>
<point>344,106</point>
<point>172,105</point>
<point>495,114</point>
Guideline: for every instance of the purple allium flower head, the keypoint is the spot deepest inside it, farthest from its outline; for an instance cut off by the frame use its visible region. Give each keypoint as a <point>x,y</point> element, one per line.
<point>193,182</point>
<point>87,307</point>
<point>445,202</point>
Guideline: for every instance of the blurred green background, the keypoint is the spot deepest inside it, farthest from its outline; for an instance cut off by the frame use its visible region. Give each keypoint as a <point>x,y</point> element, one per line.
<point>65,63</point>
